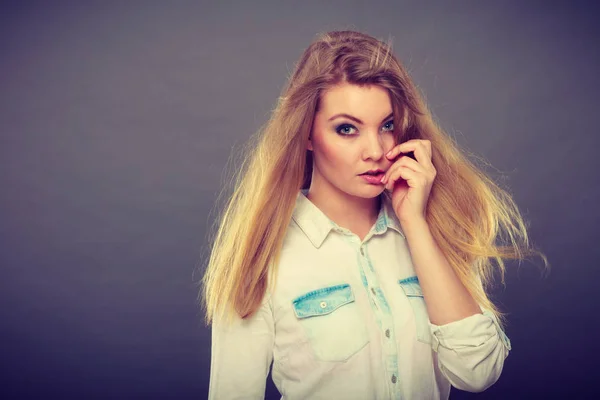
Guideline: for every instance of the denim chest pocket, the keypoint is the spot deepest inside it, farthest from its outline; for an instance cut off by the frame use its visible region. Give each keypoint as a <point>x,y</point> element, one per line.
<point>332,322</point>
<point>412,290</point>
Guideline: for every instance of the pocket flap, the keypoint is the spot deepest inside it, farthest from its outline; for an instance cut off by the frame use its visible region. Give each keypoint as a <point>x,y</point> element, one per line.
<point>322,301</point>
<point>411,286</point>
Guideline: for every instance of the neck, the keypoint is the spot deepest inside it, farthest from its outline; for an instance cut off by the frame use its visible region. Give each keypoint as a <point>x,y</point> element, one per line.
<point>354,213</point>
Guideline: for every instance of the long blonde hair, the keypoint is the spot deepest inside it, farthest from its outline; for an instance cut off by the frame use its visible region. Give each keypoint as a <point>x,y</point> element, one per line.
<point>467,212</point>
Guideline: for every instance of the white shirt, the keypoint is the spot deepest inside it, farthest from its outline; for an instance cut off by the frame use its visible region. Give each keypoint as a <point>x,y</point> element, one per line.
<point>347,320</point>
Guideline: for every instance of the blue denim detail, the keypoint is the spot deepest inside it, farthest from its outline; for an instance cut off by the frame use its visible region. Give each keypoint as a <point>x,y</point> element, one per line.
<point>381,223</point>
<point>322,301</point>
<point>363,278</point>
<point>369,261</point>
<point>384,304</point>
<point>378,292</point>
<point>332,322</point>
<point>338,333</point>
<point>409,279</point>
<point>412,290</point>
<point>381,311</point>
<point>411,287</point>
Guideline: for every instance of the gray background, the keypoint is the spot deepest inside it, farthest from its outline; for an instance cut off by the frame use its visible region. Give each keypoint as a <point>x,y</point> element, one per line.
<point>117,121</point>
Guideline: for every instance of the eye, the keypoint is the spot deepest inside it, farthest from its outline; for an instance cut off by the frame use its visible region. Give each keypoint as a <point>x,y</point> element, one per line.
<point>388,124</point>
<point>343,130</point>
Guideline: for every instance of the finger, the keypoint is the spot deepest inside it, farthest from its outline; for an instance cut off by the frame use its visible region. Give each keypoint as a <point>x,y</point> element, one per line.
<point>404,152</point>
<point>410,154</point>
<point>406,162</point>
<point>389,172</point>
<point>402,148</point>
<point>411,162</point>
<point>423,152</point>
<point>392,153</point>
<point>403,173</point>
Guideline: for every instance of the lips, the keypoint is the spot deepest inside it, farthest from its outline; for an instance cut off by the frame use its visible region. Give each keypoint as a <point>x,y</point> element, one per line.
<point>374,172</point>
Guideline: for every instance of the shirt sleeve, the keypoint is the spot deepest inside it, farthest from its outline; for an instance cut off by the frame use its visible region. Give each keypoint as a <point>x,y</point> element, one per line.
<point>471,351</point>
<point>241,355</point>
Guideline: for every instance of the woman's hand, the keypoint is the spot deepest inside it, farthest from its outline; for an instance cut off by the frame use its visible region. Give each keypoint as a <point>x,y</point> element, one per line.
<point>410,180</point>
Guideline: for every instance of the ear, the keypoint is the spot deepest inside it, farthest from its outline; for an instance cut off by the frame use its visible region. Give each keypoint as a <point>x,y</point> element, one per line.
<point>309,145</point>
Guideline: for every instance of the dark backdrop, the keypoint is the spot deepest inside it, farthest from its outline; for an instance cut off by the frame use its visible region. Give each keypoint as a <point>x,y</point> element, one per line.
<point>116,123</point>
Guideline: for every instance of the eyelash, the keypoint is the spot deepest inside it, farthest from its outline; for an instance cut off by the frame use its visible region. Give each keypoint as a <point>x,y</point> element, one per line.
<point>342,126</point>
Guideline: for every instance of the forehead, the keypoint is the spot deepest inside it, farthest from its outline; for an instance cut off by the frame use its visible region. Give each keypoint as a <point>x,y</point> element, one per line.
<point>368,101</point>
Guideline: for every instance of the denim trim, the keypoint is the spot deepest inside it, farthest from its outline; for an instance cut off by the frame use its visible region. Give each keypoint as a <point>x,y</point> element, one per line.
<point>363,277</point>
<point>413,292</point>
<point>322,301</point>
<point>378,291</point>
<point>409,279</point>
<point>411,288</point>
<point>389,215</point>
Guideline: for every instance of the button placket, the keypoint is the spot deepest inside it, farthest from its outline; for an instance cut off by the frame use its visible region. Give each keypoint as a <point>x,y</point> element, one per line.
<point>382,313</point>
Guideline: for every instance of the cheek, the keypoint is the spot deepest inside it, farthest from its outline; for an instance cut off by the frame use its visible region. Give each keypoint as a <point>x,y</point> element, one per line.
<point>331,153</point>
<point>333,156</point>
<point>389,142</point>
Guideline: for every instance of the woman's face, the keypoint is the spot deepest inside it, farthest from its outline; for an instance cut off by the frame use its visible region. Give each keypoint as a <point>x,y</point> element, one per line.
<point>345,146</point>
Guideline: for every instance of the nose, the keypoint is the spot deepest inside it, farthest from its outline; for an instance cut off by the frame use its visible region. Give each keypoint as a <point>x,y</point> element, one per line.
<point>373,146</point>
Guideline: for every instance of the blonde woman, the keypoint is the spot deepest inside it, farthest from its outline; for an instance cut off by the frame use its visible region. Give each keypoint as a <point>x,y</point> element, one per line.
<point>354,251</point>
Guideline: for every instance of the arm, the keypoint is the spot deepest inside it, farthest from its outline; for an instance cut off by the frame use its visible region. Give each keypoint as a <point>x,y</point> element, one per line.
<point>241,356</point>
<point>471,351</point>
<point>471,346</point>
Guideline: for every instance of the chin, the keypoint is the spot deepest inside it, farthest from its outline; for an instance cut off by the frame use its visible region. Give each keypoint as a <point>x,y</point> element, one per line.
<point>368,192</point>
<point>377,190</point>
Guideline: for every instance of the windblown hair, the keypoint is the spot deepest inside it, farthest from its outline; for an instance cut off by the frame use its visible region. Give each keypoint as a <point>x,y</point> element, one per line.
<point>467,212</point>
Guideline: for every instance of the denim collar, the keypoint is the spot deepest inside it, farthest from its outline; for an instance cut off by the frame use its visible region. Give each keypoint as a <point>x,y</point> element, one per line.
<point>316,225</point>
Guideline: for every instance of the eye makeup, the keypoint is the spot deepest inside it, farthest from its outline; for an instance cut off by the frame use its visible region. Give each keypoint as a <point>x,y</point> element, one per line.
<point>350,126</point>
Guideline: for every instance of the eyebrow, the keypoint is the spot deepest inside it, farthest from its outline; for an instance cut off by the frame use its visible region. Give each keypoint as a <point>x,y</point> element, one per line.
<point>354,118</point>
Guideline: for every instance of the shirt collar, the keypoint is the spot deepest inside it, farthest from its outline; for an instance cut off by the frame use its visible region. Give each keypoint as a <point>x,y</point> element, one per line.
<point>316,225</point>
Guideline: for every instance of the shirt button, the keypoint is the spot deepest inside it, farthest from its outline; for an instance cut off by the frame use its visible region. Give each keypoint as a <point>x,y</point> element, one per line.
<point>362,252</point>
<point>373,291</point>
<point>323,304</point>
<point>387,333</point>
<point>393,378</point>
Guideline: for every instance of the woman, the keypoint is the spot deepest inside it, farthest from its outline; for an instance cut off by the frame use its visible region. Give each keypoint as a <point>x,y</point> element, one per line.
<point>357,271</point>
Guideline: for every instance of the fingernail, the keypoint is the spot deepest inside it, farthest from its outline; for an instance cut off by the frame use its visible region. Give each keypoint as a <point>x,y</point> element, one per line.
<point>389,153</point>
